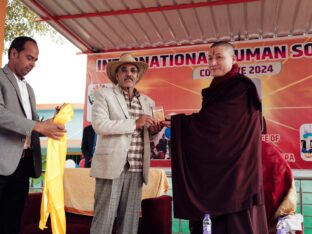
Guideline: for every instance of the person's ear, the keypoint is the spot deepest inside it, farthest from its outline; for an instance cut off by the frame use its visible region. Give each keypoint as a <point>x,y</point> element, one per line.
<point>13,53</point>
<point>234,59</point>
<point>117,77</point>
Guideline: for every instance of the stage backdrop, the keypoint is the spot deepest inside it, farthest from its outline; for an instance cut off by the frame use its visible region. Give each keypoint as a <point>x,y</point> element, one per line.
<point>281,70</point>
<point>2,20</point>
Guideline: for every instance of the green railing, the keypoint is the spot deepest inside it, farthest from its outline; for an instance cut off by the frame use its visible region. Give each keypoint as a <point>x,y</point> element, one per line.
<point>304,202</point>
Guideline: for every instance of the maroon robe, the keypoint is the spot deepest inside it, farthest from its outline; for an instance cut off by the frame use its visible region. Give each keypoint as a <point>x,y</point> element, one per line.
<point>277,180</point>
<point>216,153</point>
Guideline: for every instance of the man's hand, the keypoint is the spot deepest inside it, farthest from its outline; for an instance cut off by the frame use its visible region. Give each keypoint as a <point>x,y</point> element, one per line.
<point>58,108</point>
<point>145,120</point>
<point>155,128</point>
<point>50,129</point>
<point>165,123</point>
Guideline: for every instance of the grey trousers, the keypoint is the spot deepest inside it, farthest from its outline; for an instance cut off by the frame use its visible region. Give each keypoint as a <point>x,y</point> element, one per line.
<point>119,198</point>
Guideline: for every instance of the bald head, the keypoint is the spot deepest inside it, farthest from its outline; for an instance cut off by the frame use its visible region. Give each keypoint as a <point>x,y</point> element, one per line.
<point>226,45</point>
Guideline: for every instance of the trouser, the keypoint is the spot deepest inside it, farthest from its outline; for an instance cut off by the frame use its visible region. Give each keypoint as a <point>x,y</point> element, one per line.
<point>249,221</point>
<point>13,194</point>
<point>119,198</point>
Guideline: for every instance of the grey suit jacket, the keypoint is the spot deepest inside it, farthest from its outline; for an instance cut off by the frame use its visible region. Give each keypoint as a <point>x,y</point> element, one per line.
<point>112,122</point>
<point>14,126</point>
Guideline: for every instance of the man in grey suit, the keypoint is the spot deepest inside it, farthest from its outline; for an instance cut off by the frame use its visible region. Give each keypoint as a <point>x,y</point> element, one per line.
<point>20,154</point>
<point>121,117</point>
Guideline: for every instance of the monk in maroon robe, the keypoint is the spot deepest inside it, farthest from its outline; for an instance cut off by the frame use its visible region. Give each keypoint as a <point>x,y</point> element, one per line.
<point>216,153</point>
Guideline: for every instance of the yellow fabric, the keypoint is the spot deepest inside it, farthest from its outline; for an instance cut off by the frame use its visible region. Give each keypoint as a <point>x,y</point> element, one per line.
<point>157,184</point>
<point>287,207</point>
<point>2,25</point>
<point>53,194</point>
<point>289,204</point>
<point>79,189</point>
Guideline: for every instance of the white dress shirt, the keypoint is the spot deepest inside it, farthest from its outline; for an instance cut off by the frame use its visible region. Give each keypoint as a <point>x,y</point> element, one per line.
<point>26,105</point>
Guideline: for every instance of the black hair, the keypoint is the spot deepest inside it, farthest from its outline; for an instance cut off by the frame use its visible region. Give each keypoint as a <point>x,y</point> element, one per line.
<point>225,44</point>
<point>19,44</point>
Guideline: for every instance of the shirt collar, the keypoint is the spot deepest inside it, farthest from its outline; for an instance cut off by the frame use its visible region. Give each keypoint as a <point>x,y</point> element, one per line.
<point>19,80</point>
<point>125,92</point>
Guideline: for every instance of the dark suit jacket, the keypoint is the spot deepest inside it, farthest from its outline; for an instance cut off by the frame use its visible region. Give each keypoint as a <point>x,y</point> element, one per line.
<point>87,144</point>
<point>14,125</point>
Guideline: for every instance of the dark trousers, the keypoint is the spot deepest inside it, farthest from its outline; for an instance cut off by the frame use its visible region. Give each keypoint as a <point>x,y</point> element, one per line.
<point>13,194</point>
<point>87,162</point>
<point>249,221</point>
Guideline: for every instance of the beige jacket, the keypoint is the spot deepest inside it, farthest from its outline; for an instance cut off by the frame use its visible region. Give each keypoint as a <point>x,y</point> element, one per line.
<point>114,127</point>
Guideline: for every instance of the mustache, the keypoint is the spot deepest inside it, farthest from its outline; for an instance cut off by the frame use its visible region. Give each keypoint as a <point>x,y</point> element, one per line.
<point>129,78</point>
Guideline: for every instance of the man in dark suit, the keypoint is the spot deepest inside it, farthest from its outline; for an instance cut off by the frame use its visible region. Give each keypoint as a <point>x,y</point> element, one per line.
<point>20,155</point>
<point>88,144</point>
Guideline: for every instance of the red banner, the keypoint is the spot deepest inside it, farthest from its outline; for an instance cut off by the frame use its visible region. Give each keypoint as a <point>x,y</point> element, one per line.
<point>281,70</point>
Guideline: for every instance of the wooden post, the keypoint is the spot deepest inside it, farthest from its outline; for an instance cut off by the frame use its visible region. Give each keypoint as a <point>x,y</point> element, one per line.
<point>2,25</point>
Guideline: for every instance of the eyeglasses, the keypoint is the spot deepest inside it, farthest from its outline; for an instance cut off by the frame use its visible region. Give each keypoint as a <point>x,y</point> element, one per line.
<point>125,70</point>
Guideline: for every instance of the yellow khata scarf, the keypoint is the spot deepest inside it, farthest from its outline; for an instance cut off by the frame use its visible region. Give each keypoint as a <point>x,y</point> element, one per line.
<point>53,193</point>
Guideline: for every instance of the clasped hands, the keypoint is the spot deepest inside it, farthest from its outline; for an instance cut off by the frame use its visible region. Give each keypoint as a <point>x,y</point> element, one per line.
<point>153,124</point>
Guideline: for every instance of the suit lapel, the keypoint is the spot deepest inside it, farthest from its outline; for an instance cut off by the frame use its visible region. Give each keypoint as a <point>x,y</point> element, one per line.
<point>32,102</point>
<point>121,101</point>
<point>9,74</point>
